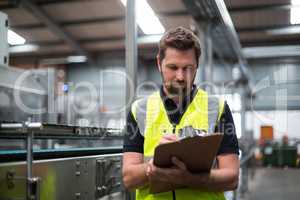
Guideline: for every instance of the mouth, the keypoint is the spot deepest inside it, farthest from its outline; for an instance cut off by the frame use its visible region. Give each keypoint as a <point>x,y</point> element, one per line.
<point>176,88</point>
<point>178,84</point>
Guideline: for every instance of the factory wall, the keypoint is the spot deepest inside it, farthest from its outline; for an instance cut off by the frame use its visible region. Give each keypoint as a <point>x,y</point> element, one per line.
<point>222,72</point>
<point>276,99</point>
<point>283,122</point>
<point>276,85</point>
<point>108,90</point>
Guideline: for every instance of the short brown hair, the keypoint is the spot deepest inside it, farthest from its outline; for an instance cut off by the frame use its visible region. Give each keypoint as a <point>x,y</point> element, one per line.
<point>179,38</point>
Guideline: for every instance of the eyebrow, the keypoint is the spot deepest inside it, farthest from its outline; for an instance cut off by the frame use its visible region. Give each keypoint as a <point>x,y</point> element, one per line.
<point>171,65</point>
<point>174,65</point>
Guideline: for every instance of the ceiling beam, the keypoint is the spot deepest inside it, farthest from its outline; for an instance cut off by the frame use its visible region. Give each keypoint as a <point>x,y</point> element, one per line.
<point>142,39</point>
<point>267,7</point>
<point>111,19</point>
<point>43,2</point>
<point>71,23</point>
<point>269,42</point>
<point>144,53</point>
<point>276,27</point>
<point>272,51</point>
<point>94,21</point>
<point>81,41</point>
<point>54,27</point>
<point>251,42</point>
<point>7,6</point>
<point>11,4</point>
<point>173,13</point>
<point>248,8</point>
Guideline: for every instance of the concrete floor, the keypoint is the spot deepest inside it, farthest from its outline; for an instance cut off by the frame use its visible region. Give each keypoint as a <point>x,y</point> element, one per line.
<point>275,184</point>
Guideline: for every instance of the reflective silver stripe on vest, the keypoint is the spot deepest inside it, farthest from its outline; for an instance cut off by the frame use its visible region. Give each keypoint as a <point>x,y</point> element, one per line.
<point>213,112</point>
<point>141,111</point>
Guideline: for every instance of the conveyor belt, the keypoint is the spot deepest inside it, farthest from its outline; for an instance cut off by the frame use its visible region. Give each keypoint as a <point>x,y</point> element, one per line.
<point>54,131</point>
<point>59,136</point>
<point>20,155</point>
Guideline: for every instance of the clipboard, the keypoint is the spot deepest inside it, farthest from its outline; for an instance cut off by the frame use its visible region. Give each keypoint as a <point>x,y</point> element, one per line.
<point>198,154</point>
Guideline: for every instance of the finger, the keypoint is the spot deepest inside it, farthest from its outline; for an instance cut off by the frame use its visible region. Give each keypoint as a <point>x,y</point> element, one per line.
<point>168,139</point>
<point>164,141</point>
<point>149,166</point>
<point>178,163</point>
<point>151,161</point>
<point>171,137</point>
<point>148,170</point>
<point>160,174</point>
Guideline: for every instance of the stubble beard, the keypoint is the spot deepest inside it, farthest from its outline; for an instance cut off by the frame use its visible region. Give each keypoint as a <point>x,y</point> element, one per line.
<point>176,89</point>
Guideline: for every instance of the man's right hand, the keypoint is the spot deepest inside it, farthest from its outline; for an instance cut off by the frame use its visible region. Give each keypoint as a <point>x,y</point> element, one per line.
<point>176,175</point>
<point>168,138</point>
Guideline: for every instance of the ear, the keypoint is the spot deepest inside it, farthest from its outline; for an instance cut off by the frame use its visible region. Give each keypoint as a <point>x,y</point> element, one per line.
<point>158,62</point>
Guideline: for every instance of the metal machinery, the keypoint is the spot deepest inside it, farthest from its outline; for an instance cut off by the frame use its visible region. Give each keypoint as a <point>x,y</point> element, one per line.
<point>3,37</point>
<point>31,165</point>
<point>90,171</point>
<point>74,173</point>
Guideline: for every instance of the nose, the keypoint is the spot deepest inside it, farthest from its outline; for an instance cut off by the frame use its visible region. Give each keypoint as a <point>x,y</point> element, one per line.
<point>180,75</point>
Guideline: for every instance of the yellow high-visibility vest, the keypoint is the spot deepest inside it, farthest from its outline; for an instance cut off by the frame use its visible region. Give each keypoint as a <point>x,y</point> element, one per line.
<point>203,113</point>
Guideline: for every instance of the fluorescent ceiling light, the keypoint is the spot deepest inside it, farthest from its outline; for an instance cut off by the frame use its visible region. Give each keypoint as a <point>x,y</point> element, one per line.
<point>76,59</point>
<point>14,38</point>
<point>149,39</point>
<point>146,18</point>
<point>23,48</point>
<point>271,51</point>
<point>287,30</point>
<point>53,61</point>
<point>64,60</point>
<point>295,12</point>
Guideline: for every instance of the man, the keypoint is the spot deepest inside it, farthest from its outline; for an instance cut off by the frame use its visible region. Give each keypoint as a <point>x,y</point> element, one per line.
<point>158,118</point>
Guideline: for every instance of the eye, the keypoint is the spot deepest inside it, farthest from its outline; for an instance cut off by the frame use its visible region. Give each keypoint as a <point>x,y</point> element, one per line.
<point>188,68</point>
<point>172,67</point>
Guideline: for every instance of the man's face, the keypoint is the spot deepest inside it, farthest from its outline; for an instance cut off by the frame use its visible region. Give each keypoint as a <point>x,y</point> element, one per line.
<point>178,70</point>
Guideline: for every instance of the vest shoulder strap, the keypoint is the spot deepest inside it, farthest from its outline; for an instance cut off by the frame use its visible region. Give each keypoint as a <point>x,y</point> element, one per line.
<point>215,109</point>
<point>215,106</point>
<point>139,110</point>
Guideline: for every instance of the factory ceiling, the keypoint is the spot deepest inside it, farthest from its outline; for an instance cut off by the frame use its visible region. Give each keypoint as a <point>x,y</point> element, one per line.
<point>89,27</point>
